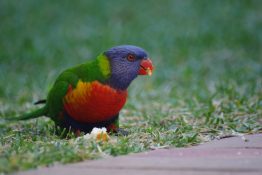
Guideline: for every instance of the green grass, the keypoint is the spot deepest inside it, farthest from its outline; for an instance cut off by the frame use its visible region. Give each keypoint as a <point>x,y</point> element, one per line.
<point>207,81</point>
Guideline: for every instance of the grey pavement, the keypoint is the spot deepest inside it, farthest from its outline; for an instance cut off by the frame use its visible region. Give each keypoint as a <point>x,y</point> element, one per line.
<point>219,157</point>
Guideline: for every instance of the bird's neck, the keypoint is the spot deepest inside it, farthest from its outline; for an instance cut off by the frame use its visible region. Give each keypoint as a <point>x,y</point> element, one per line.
<point>119,82</point>
<point>104,65</point>
<point>116,78</point>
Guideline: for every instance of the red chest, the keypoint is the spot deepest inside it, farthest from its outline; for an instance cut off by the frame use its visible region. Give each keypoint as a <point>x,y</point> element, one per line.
<point>93,102</point>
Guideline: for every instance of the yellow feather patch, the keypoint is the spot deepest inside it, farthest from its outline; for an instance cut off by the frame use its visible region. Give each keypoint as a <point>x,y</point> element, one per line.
<point>104,65</point>
<point>80,93</point>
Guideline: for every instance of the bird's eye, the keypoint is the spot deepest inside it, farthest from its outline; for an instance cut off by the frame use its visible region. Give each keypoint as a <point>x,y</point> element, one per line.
<point>131,57</point>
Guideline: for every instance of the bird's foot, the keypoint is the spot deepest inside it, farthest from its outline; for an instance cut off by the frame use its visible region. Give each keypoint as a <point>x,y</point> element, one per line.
<point>121,132</point>
<point>116,130</point>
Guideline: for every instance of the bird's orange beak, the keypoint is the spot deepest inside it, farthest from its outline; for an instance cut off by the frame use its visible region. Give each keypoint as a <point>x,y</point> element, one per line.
<point>146,67</point>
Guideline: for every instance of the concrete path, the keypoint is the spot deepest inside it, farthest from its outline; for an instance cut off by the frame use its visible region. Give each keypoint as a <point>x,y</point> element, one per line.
<point>220,157</point>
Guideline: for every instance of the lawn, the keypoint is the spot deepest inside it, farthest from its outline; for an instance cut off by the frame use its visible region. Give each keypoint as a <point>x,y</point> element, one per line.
<point>207,83</point>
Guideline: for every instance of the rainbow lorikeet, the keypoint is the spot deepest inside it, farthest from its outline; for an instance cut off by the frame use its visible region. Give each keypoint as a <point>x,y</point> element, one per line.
<point>92,94</point>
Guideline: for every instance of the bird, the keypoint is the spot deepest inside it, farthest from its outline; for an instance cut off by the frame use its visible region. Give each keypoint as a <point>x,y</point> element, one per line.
<point>92,94</point>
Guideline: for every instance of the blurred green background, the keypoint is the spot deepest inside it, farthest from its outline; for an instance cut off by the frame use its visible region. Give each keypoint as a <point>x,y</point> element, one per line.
<point>189,41</point>
<point>207,56</point>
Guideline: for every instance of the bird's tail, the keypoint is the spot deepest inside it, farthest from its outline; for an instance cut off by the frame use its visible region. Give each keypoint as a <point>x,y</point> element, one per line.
<point>34,114</point>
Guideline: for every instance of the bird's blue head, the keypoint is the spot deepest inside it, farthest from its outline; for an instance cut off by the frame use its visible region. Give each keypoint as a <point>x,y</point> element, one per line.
<point>127,62</point>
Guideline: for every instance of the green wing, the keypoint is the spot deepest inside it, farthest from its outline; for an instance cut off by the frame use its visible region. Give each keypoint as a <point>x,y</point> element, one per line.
<point>57,93</point>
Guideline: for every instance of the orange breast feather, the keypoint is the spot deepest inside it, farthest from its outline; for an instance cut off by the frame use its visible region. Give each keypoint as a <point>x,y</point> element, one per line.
<point>93,102</point>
